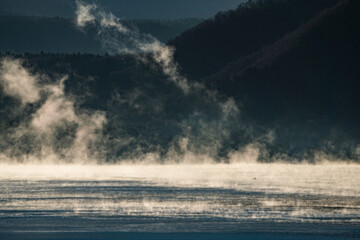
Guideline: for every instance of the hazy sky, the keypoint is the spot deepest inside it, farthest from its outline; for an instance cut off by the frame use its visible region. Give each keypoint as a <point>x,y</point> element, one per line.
<point>171,9</point>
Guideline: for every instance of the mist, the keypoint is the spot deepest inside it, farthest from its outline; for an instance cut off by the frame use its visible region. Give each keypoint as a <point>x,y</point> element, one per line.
<point>162,118</point>
<point>53,127</point>
<point>64,132</point>
<point>54,130</point>
<point>242,127</point>
<point>131,41</point>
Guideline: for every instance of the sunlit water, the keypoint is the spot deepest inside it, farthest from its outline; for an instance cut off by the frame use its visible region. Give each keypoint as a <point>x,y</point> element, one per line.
<point>179,198</point>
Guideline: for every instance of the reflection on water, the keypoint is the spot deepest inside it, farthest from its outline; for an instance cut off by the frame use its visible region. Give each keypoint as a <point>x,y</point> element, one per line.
<point>176,197</point>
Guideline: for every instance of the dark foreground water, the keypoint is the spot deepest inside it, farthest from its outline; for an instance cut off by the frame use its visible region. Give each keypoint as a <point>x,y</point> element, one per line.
<point>246,201</point>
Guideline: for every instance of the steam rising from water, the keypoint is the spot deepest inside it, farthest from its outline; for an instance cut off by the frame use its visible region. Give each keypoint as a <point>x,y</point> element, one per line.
<point>191,189</point>
<point>17,82</point>
<point>47,124</point>
<point>56,131</point>
<point>201,146</point>
<point>50,127</point>
<point>131,41</point>
<point>178,197</point>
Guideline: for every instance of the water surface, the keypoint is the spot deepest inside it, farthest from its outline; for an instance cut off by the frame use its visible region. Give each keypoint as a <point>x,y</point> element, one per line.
<point>253,200</point>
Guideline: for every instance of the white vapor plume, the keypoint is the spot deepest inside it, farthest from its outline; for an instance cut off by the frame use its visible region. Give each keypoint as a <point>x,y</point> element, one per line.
<point>202,139</point>
<point>117,38</point>
<point>83,14</point>
<point>18,82</point>
<point>59,130</point>
<point>202,135</point>
<point>250,154</point>
<point>59,110</point>
<point>55,110</point>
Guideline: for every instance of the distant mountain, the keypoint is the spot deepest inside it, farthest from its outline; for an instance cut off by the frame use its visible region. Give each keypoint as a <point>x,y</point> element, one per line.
<point>292,64</point>
<point>60,35</point>
<point>134,9</point>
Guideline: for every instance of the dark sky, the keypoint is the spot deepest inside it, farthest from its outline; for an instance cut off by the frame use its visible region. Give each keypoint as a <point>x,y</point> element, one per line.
<point>164,9</point>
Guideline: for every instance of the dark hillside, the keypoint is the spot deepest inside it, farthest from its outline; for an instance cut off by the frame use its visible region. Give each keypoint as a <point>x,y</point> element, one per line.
<point>208,47</point>
<point>145,112</point>
<point>292,92</point>
<point>314,69</point>
<point>305,84</point>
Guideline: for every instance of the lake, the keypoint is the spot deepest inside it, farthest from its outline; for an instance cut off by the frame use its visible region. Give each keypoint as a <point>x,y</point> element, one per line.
<point>209,201</point>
